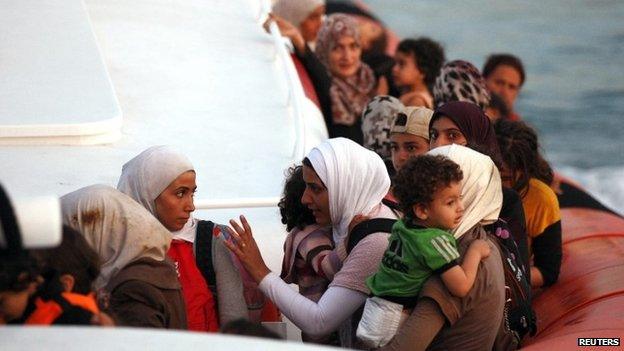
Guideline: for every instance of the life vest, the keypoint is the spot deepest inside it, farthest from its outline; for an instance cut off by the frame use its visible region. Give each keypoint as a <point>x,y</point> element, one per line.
<point>70,307</point>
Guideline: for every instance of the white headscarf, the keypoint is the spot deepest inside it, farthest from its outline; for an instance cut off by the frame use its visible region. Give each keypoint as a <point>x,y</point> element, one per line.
<point>356,180</point>
<point>145,176</point>
<point>481,192</point>
<point>120,230</point>
<point>296,11</point>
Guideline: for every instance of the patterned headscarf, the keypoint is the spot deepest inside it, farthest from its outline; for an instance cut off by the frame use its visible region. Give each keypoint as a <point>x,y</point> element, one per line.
<point>377,121</point>
<point>348,95</point>
<point>460,81</point>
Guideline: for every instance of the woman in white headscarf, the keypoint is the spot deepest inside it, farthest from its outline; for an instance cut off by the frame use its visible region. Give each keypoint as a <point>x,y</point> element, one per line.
<point>439,320</point>
<point>342,179</point>
<point>163,181</point>
<point>139,282</point>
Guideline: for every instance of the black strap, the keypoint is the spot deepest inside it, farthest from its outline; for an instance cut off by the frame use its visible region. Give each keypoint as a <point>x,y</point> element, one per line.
<point>8,221</point>
<point>365,228</point>
<point>203,253</point>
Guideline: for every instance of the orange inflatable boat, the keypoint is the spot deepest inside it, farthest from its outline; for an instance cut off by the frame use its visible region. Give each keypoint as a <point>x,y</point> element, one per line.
<point>588,299</point>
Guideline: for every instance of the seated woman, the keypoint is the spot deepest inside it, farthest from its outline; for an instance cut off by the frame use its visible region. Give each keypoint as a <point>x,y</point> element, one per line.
<point>308,247</point>
<point>163,181</point>
<point>335,195</point>
<point>353,83</point>
<point>525,170</point>
<point>464,123</point>
<point>137,283</point>
<point>440,321</point>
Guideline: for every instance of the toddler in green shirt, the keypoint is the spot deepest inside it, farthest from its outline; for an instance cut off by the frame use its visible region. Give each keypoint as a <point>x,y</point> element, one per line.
<point>428,189</point>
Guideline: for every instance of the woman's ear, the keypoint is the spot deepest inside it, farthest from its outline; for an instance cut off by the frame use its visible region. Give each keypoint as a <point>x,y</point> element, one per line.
<point>421,211</point>
<point>68,282</point>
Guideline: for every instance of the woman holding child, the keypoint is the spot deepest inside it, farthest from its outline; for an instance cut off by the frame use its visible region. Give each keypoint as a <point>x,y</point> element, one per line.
<point>335,196</point>
<point>464,123</point>
<point>439,320</point>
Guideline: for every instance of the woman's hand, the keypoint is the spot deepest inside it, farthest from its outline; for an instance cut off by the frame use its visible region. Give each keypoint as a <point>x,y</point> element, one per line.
<point>243,245</point>
<point>288,30</point>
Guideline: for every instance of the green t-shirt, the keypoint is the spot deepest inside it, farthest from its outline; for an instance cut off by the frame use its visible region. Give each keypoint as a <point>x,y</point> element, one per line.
<point>412,256</point>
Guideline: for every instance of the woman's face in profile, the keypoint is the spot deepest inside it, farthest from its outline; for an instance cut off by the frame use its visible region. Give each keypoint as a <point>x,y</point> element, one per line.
<point>344,57</point>
<point>175,204</point>
<point>444,131</point>
<point>316,197</point>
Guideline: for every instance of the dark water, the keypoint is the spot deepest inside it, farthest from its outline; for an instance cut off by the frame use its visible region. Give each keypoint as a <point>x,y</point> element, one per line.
<point>573,53</point>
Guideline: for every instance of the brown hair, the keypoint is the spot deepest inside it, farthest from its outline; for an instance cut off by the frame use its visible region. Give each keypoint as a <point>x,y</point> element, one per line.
<point>74,257</point>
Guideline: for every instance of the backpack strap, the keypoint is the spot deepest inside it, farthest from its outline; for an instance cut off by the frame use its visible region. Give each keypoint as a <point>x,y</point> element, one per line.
<point>203,253</point>
<point>365,228</point>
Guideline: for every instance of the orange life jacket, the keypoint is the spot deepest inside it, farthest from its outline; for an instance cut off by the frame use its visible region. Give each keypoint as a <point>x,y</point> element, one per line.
<point>48,311</point>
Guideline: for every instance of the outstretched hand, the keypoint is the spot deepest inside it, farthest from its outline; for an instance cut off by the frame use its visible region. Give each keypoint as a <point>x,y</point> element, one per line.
<point>243,245</point>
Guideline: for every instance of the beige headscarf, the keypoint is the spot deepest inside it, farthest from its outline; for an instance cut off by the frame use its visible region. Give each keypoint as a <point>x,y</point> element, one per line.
<point>296,11</point>
<point>481,192</point>
<point>145,176</point>
<point>356,180</point>
<point>119,229</point>
<point>415,121</point>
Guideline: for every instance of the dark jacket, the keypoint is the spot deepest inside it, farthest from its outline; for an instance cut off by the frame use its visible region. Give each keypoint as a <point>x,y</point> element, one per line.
<point>146,293</point>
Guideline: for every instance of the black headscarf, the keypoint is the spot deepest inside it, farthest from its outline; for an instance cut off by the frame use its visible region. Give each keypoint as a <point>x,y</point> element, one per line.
<point>474,125</point>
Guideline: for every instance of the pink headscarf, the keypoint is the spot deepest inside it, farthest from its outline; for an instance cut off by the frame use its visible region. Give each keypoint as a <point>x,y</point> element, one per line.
<point>350,95</point>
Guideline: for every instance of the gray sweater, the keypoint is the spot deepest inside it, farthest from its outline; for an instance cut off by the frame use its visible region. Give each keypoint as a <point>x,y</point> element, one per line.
<point>230,299</point>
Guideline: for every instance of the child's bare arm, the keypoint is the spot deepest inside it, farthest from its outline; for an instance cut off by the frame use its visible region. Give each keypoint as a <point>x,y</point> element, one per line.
<point>459,279</point>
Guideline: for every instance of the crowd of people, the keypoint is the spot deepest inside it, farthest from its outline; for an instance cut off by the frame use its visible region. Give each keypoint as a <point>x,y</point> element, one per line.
<point>396,228</point>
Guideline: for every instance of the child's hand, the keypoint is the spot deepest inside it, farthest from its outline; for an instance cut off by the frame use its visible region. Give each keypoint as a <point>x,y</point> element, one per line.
<point>357,219</point>
<point>482,247</point>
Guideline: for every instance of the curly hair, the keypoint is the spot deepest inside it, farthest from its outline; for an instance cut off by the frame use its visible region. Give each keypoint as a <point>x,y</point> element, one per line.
<point>428,55</point>
<point>421,177</point>
<point>293,212</point>
<point>520,151</point>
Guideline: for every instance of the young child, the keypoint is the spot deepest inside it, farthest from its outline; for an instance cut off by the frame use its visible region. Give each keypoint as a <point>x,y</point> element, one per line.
<point>418,63</point>
<point>66,295</point>
<point>429,193</point>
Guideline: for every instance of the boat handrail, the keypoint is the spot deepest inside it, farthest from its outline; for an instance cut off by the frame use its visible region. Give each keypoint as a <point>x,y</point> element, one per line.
<point>296,94</point>
<point>250,202</point>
